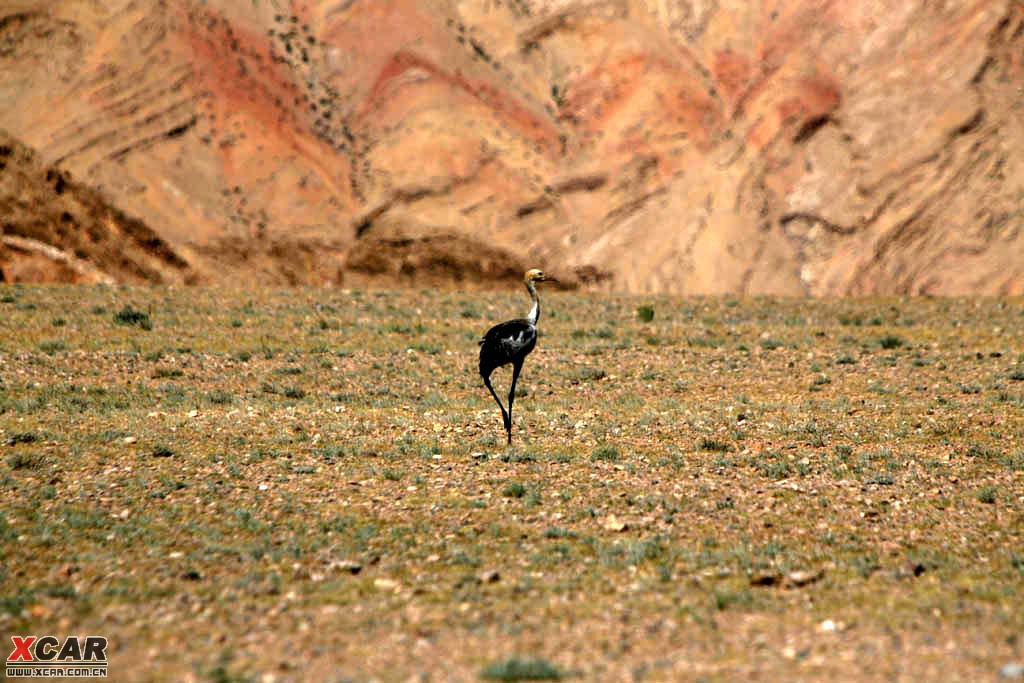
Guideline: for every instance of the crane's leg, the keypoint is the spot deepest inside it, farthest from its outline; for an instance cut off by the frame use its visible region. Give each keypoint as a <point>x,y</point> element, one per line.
<point>511,398</point>
<point>505,419</point>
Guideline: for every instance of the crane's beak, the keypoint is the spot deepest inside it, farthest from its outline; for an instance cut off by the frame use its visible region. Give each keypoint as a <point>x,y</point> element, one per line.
<point>548,278</point>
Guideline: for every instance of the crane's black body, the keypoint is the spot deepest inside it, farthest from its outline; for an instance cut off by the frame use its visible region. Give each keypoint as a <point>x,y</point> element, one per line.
<point>507,342</point>
<point>511,342</point>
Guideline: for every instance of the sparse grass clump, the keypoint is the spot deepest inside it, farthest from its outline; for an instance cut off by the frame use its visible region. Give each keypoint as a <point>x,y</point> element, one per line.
<point>332,454</point>
<point>606,453</point>
<point>161,451</point>
<point>891,341</point>
<point>723,599</point>
<point>591,374</point>
<point>705,342</point>
<point>223,671</point>
<point>522,669</point>
<point>976,450</point>
<point>220,397</point>
<point>714,445</point>
<point>773,465</point>
<point>559,532</point>
<point>25,460</point>
<point>133,317</point>
<point>631,553</point>
<point>820,381</point>
<point>23,437</point>
<point>519,456</point>
<point>513,489</point>
<point>986,494</point>
<point>52,346</point>
<point>645,314</point>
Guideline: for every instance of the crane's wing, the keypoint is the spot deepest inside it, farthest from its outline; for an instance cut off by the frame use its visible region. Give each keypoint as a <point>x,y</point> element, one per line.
<point>510,336</point>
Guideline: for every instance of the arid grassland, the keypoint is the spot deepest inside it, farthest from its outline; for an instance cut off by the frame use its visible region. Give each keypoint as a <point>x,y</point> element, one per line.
<point>313,485</point>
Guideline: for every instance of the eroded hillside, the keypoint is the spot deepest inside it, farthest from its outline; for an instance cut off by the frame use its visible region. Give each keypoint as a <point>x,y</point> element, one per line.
<point>806,146</point>
<point>55,229</point>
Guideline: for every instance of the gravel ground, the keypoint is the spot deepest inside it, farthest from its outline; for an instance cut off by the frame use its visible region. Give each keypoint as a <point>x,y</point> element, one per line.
<point>313,485</point>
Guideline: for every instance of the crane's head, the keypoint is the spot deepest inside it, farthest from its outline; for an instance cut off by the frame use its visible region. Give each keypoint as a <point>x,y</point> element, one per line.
<point>537,275</point>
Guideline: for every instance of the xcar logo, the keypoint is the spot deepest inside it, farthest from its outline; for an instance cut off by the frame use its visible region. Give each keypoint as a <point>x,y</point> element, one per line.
<point>48,657</point>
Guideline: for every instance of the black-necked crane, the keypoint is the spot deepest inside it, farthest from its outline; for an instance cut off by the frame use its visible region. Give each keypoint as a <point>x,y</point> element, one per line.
<point>511,342</point>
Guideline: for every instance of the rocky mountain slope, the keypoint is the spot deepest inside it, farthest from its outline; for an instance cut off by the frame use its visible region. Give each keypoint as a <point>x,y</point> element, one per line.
<point>775,146</point>
<point>55,229</point>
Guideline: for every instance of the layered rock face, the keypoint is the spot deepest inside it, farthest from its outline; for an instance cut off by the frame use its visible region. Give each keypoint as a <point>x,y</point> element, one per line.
<point>791,147</point>
<point>55,229</point>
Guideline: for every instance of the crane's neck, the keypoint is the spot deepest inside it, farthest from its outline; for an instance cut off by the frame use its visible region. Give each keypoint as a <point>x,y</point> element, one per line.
<point>534,313</point>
